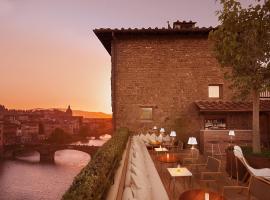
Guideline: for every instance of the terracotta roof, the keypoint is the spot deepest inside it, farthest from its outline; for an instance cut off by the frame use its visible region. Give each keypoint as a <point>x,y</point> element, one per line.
<point>105,34</point>
<point>230,106</point>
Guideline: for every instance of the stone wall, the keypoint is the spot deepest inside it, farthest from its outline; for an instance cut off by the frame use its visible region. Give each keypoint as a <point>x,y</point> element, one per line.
<point>167,73</point>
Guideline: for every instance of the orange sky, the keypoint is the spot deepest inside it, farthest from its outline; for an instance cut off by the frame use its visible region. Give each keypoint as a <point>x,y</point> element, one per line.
<point>49,56</point>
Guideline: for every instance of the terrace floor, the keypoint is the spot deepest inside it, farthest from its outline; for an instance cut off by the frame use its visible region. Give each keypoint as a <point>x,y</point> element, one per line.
<point>181,185</point>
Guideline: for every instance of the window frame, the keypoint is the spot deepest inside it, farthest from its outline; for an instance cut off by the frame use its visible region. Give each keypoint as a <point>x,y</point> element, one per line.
<point>142,111</point>
<point>220,91</point>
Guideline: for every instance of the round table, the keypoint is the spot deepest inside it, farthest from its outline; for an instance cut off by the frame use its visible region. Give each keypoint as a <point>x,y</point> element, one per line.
<point>199,194</point>
<point>168,158</point>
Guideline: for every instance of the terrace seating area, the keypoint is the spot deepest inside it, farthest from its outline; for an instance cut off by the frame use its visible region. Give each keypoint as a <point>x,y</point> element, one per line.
<point>158,170</point>
<point>142,179</point>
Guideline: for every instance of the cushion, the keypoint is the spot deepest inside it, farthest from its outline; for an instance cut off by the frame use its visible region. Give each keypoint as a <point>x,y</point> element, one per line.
<point>153,137</point>
<point>147,136</point>
<point>128,195</point>
<point>159,138</point>
<point>140,189</point>
<point>128,178</point>
<point>167,138</point>
<point>139,181</point>
<point>142,137</point>
<point>138,161</point>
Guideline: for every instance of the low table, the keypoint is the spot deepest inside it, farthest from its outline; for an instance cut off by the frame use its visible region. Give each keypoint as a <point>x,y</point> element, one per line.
<point>179,172</point>
<point>154,144</point>
<point>199,194</point>
<point>168,158</point>
<point>160,149</point>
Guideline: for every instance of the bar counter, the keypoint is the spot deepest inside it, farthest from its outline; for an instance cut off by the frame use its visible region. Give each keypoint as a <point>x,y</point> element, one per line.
<point>211,140</point>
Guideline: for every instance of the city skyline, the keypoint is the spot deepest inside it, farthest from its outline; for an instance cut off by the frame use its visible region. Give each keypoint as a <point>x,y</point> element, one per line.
<point>50,57</point>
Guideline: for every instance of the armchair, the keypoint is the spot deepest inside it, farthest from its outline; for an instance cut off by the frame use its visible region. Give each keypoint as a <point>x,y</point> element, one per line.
<point>209,171</point>
<point>265,172</point>
<point>258,187</point>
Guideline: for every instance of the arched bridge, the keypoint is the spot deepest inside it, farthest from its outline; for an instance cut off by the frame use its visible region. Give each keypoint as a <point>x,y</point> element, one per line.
<point>47,151</point>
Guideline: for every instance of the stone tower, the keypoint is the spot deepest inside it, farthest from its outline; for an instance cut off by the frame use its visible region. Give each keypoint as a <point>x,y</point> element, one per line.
<point>69,111</point>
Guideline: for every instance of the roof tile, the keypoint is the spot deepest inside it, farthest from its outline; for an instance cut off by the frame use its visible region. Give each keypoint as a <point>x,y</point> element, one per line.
<point>230,106</point>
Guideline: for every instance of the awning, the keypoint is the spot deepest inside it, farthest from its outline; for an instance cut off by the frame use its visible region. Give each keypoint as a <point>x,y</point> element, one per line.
<point>230,106</point>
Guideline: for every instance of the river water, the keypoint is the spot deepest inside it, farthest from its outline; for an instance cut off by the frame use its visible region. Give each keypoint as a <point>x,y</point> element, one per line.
<point>27,179</point>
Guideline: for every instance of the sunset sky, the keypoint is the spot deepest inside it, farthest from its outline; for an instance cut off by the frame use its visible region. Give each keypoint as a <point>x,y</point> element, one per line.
<point>50,57</point>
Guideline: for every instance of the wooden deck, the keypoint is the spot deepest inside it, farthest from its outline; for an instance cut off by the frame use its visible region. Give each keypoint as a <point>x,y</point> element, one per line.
<point>183,184</point>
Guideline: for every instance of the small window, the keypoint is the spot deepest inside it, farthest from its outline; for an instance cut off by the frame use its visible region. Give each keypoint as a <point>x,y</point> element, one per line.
<point>146,113</point>
<point>214,91</point>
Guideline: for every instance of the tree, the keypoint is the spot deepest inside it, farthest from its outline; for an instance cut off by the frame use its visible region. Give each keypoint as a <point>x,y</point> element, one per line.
<point>242,43</point>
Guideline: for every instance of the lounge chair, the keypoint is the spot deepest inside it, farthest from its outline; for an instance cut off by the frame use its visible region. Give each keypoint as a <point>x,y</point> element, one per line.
<point>209,171</point>
<point>192,157</point>
<point>258,187</point>
<point>177,146</point>
<point>264,172</point>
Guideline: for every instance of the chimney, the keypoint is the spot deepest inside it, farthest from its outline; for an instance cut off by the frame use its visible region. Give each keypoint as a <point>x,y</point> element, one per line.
<point>183,25</point>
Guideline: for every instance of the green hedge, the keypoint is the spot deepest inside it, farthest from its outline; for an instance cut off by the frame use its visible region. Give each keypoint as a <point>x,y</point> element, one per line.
<point>94,181</point>
<point>247,151</point>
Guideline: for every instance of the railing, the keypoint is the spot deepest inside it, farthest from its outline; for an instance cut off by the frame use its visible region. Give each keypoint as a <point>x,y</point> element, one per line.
<point>265,94</point>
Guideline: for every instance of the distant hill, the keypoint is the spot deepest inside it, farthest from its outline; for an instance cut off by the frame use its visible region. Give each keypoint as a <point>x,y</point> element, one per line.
<point>87,114</point>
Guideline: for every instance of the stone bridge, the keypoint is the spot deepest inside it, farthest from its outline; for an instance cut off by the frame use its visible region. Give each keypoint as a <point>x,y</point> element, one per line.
<point>47,151</point>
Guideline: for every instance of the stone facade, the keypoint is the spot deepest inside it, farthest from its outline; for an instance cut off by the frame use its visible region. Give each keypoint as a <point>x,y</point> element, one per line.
<point>166,70</point>
<point>1,138</point>
<point>167,73</point>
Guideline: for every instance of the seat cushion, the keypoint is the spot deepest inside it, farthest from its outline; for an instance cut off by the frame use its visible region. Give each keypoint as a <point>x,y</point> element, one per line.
<point>128,195</point>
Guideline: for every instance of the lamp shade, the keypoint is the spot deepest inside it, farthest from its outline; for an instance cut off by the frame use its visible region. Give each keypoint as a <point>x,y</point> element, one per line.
<point>231,133</point>
<point>192,141</point>
<point>162,130</point>
<point>173,134</point>
<point>155,127</point>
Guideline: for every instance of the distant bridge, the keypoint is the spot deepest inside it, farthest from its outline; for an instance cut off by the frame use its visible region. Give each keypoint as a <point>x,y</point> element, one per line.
<point>47,151</point>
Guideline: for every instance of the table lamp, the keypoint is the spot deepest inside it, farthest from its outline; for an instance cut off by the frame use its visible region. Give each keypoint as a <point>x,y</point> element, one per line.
<point>192,141</point>
<point>173,135</point>
<point>162,130</point>
<point>160,138</point>
<point>231,134</point>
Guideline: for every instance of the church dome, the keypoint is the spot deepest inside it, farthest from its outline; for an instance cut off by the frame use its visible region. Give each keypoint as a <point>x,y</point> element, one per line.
<point>69,111</point>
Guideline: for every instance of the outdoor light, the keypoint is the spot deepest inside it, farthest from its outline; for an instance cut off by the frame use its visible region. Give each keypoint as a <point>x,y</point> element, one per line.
<point>160,138</point>
<point>231,133</point>
<point>206,196</point>
<point>192,141</point>
<point>162,130</point>
<point>173,134</point>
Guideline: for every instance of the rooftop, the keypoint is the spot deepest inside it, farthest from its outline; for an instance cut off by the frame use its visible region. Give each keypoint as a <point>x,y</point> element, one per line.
<point>230,106</point>
<point>105,35</point>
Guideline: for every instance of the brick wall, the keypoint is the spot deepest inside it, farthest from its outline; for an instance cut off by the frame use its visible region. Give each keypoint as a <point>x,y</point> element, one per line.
<point>219,140</point>
<point>166,72</point>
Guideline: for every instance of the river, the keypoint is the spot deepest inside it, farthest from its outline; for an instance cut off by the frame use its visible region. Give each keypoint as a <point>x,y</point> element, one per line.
<point>27,179</point>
